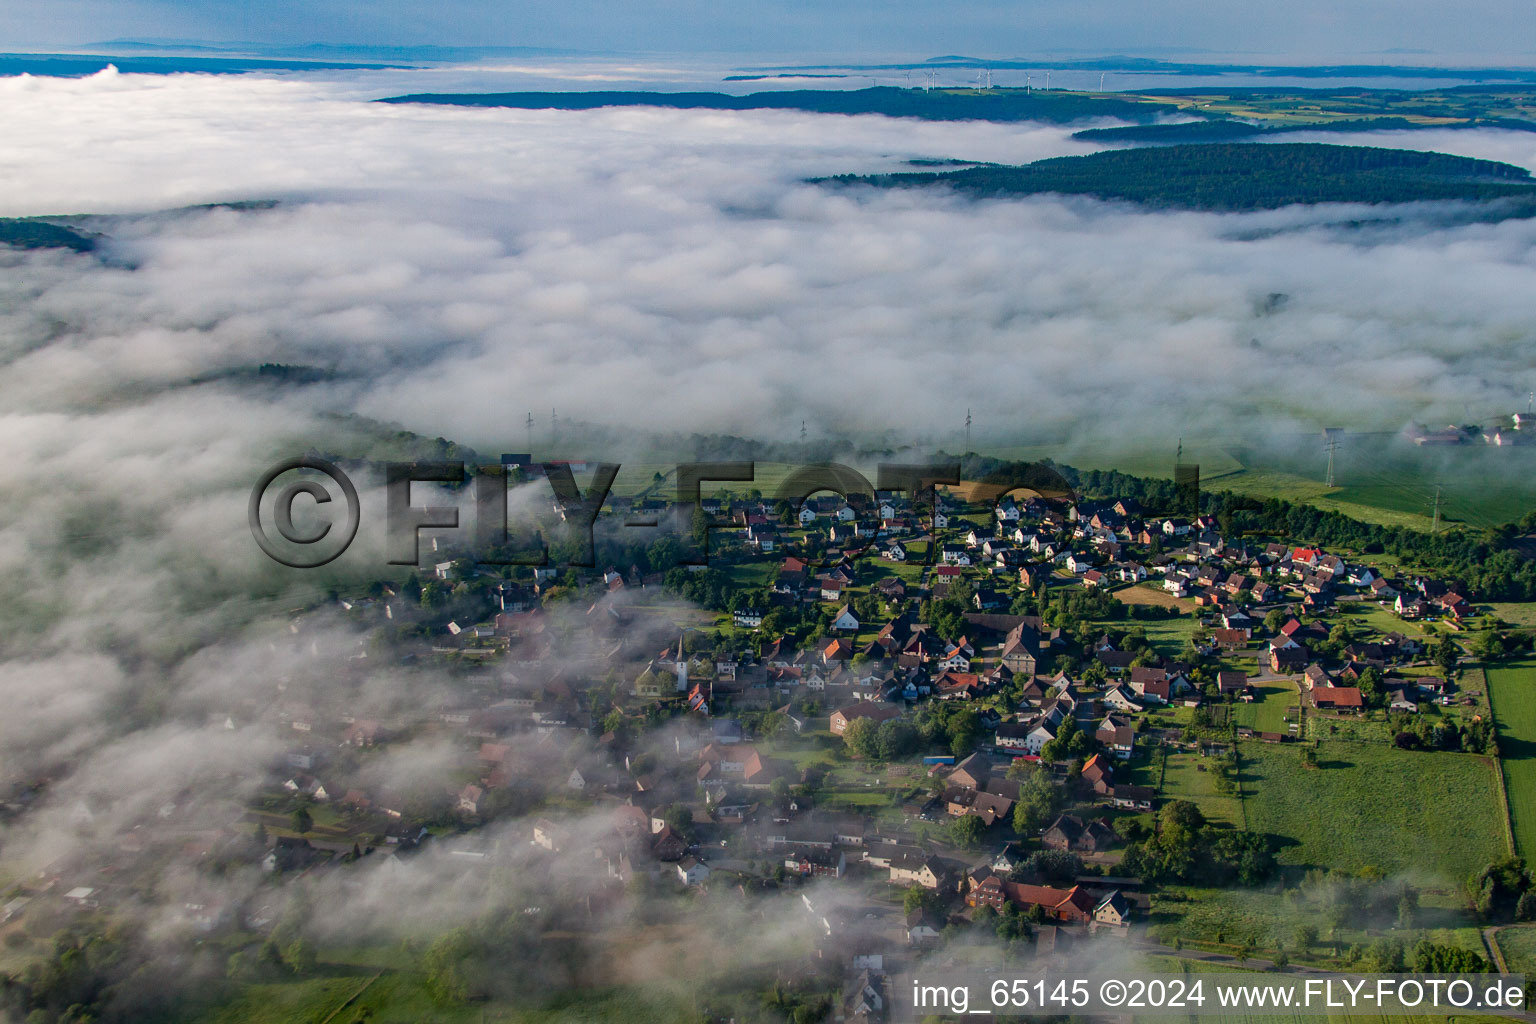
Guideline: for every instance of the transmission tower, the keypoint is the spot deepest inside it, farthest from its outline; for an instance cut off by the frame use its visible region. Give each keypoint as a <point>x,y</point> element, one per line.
<point>530,433</point>
<point>1331,445</point>
<point>967,431</point>
<point>1435,526</point>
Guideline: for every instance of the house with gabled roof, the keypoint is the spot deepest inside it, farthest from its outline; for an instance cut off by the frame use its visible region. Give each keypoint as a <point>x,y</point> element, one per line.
<point>880,712</point>
<point>1071,906</point>
<point>1113,911</point>
<point>836,650</point>
<point>1231,681</point>
<point>1338,698</point>
<point>917,868</point>
<point>1117,735</point>
<point>1013,736</point>
<point>692,871</point>
<point>1286,655</point>
<point>1121,699</point>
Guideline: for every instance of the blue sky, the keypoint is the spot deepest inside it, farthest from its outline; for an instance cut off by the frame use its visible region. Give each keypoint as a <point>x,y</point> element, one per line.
<point>1496,31</point>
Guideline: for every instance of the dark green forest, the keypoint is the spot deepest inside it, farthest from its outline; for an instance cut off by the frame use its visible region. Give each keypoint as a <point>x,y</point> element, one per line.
<point>1236,177</point>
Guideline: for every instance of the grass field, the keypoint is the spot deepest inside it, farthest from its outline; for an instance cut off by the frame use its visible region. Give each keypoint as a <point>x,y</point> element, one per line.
<point>1516,614</point>
<point>1380,506</point>
<point>1223,920</point>
<point>402,998</point>
<point>1183,780</point>
<point>1380,618</point>
<point>384,986</point>
<point>1167,636</point>
<point>394,997</point>
<point>1268,712</point>
<point>1512,691</point>
<point>1434,815</point>
<point>1146,593</point>
<point>1518,944</point>
<point>1383,479</point>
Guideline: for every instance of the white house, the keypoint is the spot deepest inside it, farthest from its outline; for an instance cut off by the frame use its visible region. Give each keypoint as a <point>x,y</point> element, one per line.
<point>1121,699</point>
<point>955,661</point>
<point>955,554</point>
<point>846,620</point>
<point>1038,737</point>
<point>692,871</point>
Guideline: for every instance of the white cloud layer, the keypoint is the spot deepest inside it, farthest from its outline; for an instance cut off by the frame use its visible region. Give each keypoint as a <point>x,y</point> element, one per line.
<point>640,269</point>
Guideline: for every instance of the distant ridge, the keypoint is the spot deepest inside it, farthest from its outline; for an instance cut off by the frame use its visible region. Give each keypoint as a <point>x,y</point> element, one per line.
<point>1004,105</point>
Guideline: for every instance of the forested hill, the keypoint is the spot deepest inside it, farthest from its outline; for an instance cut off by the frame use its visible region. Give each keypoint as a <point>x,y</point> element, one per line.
<point>930,105</point>
<point>23,233</point>
<point>1239,176</point>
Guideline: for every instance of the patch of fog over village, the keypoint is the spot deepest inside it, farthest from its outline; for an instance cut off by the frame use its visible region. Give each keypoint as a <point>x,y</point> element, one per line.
<point>171,696</point>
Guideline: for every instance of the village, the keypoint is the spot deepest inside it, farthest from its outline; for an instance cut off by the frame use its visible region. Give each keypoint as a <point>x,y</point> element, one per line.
<point>917,721</point>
